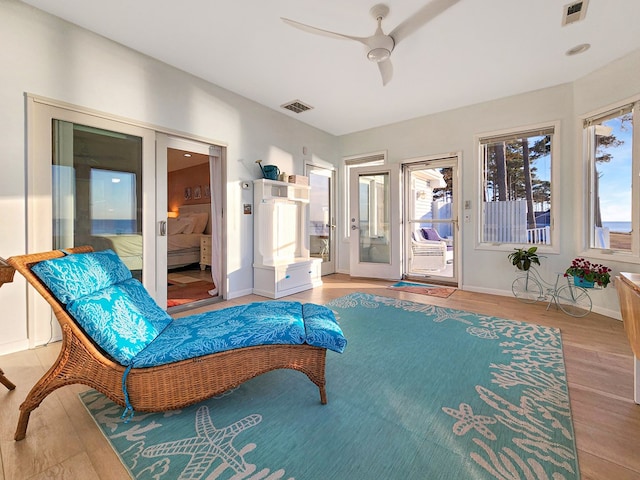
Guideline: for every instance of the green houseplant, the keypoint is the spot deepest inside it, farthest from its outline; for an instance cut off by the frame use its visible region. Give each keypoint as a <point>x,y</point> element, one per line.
<point>583,270</point>
<point>522,258</point>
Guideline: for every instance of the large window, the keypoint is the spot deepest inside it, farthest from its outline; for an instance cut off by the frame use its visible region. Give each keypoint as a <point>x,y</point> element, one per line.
<point>516,189</point>
<point>613,181</point>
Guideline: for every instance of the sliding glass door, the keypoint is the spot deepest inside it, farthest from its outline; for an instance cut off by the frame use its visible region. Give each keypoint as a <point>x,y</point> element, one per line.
<point>90,181</point>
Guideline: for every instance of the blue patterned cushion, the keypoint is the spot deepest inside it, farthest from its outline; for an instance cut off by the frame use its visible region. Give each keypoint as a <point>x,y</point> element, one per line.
<point>80,274</point>
<point>260,323</point>
<point>322,329</point>
<point>147,305</point>
<point>116,322</point>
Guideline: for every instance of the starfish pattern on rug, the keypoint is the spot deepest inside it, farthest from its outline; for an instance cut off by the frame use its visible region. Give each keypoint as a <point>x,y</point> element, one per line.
<point>209,444</point>
<point>468,420</point>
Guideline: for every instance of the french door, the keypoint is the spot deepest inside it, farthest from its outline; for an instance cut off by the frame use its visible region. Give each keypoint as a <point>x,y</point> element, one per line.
<point>374,222</point>
<point>431,220</point>
<point>90,181</point>
<point>322,222</point>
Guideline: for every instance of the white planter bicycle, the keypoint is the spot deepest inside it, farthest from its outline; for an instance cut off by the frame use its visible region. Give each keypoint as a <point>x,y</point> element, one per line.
<point>530,287</point>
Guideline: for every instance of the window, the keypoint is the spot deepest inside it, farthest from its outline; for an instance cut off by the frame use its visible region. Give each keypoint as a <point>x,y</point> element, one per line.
<point>613,186</point>
<point>516,188</point>
<point>367,160</point>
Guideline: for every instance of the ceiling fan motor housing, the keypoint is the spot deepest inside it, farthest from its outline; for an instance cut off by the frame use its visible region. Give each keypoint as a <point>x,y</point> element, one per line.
<point>380,47</point>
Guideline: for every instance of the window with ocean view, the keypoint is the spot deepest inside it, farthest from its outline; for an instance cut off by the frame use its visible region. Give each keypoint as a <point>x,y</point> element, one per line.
<point>612,182</point>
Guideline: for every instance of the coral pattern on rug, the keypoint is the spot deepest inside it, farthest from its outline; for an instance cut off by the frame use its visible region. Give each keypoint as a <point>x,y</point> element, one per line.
<point>543,410</point>
<point>422,392</point>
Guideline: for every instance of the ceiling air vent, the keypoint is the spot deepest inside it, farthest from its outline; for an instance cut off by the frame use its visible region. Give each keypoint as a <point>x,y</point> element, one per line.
<point>574,12</point>
<point>296,106</point>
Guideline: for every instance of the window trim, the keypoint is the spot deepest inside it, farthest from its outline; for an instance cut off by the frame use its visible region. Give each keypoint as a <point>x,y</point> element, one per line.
<point>541,128</point>
<point>584,123</point>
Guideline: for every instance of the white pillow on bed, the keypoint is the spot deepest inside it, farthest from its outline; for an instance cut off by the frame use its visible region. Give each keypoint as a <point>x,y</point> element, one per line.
<point>199,222</point>
<point>178,225</point>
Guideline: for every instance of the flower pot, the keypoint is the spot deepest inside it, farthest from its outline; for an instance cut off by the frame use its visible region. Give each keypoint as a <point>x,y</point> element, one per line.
<point>581,282</point>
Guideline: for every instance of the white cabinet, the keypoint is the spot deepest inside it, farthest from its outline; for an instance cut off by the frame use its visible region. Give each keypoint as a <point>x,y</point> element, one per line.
<point>281,263</point>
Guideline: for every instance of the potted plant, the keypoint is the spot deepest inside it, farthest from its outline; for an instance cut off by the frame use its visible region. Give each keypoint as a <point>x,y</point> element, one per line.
<point>586,274</point>
<point>522,258</point>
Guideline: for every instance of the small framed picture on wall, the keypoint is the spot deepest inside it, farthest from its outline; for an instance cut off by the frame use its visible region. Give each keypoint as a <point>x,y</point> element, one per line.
<point>207,191</point>
<point>187,193</point>
<point>197,192</point>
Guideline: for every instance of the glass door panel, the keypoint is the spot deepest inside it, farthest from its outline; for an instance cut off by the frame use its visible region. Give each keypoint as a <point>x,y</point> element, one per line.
<point>97,191</point>
<point>321,217</point>
<point>431,227</point>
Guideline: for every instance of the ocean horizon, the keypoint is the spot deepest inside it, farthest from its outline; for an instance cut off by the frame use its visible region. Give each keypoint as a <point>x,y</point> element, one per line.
<point>620,227</point>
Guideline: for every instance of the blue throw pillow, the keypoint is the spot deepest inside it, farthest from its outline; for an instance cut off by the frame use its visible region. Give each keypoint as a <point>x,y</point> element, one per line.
<point>322,329</point>
<point>80,274</point>
<point>115,321</point>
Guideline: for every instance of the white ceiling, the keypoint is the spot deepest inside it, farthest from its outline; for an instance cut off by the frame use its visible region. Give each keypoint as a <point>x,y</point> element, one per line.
<point>477,50</point>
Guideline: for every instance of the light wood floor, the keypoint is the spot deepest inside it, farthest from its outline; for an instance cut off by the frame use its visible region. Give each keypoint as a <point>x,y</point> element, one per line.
<point>63,442</point>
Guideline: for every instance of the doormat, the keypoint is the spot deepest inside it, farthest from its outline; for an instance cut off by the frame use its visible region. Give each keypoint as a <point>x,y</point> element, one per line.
<point>424,289</point>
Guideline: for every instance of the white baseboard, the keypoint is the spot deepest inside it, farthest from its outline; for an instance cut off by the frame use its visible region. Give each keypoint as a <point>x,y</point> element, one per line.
<point>239,293</point>
<point>13,347</point>
<point>607,312</point>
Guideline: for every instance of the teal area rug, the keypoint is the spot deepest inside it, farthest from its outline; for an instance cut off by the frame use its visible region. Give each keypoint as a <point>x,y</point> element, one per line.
<point>421,392</point>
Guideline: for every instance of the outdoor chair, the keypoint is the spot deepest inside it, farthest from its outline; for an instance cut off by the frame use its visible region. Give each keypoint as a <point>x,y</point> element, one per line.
<point>429,254</point>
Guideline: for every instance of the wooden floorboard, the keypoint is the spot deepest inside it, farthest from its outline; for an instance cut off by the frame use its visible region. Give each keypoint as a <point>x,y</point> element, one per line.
<point>63,442</point>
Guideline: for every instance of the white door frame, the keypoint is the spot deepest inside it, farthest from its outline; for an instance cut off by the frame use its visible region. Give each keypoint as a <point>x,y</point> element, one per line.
<point>392,269</point>
<point>163,142</point>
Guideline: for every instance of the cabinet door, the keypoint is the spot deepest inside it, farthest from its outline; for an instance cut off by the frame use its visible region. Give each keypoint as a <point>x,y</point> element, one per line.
<point>293,277</point>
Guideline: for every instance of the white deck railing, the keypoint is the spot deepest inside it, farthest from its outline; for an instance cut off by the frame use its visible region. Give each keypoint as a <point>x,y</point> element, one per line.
<point>539,235</point>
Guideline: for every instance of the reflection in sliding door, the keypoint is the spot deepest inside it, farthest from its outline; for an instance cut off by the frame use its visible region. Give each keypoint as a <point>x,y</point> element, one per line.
<point>97,191</point>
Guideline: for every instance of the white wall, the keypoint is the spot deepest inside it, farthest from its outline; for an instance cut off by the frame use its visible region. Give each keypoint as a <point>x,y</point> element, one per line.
<point>454,130</point>
<point>45,56</point>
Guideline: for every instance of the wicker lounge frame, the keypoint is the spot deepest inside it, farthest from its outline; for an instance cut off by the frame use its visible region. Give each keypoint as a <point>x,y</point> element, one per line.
<point>153,389</point>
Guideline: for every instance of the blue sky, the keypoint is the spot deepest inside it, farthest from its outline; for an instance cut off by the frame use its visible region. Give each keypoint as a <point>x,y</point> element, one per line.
<point>615,177</point>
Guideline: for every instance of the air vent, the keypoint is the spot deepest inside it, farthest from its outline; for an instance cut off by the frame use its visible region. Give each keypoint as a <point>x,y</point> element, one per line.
<point>296,106</point>
<point>574,12</point>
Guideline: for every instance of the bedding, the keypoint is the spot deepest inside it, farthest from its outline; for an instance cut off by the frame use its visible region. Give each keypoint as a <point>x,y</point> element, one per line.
<point>183,240</point>
<point>127,246</point>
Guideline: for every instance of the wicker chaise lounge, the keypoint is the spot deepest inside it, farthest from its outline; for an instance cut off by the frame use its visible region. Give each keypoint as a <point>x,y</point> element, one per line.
<point>167,386</point>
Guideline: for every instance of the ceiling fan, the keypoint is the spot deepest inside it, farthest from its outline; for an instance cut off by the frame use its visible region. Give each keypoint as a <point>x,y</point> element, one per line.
<point>380,45</point>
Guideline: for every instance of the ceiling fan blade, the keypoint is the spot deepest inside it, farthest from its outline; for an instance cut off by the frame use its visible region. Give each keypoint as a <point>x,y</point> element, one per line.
<point>421,17</point>
<point>319,31</point>
<point>386,70</point>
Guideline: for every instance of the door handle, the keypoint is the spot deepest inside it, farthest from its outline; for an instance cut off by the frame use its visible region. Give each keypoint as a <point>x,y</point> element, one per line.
<point>163,228</point>
<point>353,227</point>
